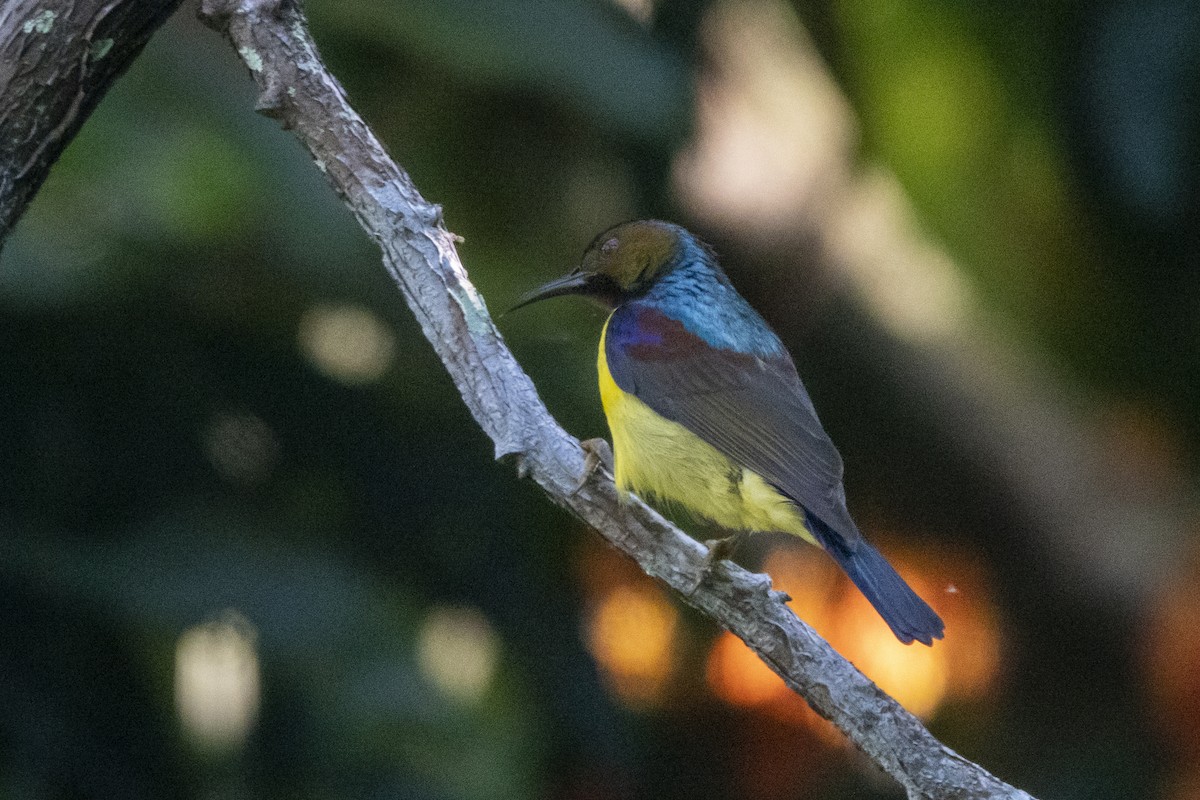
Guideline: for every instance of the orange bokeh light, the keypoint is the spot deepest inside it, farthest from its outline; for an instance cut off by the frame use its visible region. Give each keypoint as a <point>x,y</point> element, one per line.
<point>632,634</point>
<point>964,666</point>
<point>973,643</point>
<point>739,677</point>
<point>1171,661</point>
<point>1183,786</point>
<point>810,578</point>
<point>915,675</point>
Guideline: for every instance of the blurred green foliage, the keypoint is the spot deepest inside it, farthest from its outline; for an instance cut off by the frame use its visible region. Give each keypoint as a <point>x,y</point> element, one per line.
<point>986,113</point>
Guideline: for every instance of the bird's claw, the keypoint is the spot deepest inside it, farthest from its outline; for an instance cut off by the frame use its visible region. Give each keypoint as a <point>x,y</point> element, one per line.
<point>596,453</point>
<point>720,549</point>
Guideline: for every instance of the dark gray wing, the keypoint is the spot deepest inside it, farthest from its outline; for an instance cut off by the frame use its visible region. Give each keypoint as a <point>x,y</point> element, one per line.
<point>752,409</point>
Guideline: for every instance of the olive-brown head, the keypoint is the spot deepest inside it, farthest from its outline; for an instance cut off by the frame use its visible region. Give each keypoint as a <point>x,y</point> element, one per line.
<point>619,264</point>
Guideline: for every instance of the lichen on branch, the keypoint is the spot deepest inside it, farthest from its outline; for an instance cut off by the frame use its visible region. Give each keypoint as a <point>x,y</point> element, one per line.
<point>58,58</point>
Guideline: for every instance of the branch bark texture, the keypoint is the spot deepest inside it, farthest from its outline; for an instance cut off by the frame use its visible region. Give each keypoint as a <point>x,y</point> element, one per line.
<point>272,38</point>
<point>57,60</point>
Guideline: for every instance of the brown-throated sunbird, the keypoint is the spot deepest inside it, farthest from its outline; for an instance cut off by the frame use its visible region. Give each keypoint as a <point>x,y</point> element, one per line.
<point>706,408</point>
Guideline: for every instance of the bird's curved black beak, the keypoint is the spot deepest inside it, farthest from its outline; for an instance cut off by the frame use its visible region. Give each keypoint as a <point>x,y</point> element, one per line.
<point>575,283</point>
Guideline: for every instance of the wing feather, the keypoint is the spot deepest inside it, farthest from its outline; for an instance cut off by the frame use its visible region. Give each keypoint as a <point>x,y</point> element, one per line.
<point>751,408</point>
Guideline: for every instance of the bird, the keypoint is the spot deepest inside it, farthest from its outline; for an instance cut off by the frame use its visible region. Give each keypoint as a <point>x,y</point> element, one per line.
<point>706,408</point>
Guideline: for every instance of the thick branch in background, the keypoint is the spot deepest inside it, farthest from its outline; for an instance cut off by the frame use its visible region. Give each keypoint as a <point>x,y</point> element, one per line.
<point>419,252</point>
<point>58,58</point>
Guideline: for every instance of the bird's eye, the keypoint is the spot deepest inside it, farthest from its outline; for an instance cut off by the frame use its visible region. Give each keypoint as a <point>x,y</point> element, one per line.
<point>609,247</point>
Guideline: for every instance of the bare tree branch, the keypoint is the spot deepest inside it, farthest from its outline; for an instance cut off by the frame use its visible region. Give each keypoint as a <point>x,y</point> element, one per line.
<point>273,40</point>
<point>57,60</point>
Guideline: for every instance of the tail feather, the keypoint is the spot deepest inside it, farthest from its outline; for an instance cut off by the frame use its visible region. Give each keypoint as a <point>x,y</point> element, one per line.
<point>909,617</point>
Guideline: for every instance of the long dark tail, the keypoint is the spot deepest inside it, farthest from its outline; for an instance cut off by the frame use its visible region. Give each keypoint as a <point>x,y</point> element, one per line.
<point>909,617</point>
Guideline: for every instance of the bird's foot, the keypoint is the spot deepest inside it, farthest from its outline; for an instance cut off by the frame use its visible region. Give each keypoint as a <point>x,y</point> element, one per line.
<point>596,453</point>
<point>720,549</point>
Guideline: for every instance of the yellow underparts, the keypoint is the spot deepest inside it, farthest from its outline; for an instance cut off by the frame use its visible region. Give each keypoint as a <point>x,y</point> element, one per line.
<point>658,458</point>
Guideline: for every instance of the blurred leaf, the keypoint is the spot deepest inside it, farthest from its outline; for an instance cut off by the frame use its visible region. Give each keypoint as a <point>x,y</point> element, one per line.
<point>336,642</point>
<point>586,51</point>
